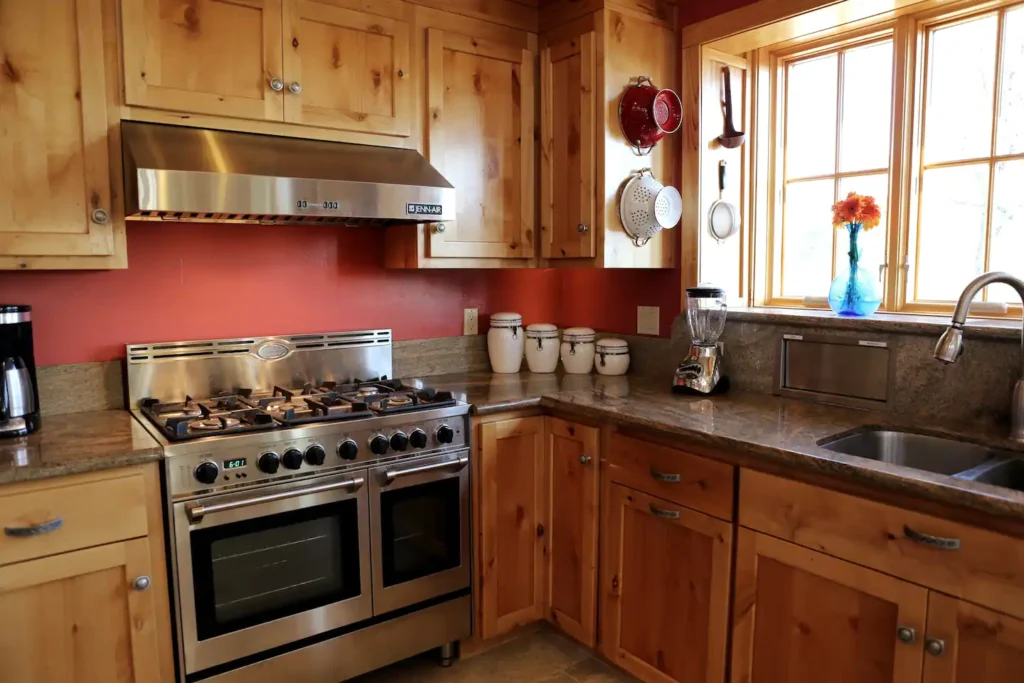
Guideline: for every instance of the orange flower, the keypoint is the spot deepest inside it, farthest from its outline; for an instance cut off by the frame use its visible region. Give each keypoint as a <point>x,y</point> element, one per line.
<point>856,209</point>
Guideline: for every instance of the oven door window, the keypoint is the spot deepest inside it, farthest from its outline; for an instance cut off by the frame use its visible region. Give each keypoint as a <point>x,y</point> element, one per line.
<point>420,531</point>
<point>259,570</point>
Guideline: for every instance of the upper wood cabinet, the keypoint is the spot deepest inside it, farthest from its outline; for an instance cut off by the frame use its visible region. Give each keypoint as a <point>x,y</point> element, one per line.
<point>347,69</point>
<point>480,122</point>
<point>966,643</point>
<point>58,113</point>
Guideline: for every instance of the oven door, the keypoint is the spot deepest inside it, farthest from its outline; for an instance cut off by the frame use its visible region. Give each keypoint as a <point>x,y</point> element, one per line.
<point>420,511</point>
<point>265,568</point>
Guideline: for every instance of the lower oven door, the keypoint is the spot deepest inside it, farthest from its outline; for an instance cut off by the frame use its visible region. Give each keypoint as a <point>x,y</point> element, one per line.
<point>420,512</point>
<point>265,568</point>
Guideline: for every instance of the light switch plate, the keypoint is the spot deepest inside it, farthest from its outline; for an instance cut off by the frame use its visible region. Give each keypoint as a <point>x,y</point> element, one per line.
<point>648,320</point>
<point>470,321</point>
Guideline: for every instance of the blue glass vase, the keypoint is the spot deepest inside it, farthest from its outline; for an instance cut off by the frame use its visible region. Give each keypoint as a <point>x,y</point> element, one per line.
<point>855,292</point>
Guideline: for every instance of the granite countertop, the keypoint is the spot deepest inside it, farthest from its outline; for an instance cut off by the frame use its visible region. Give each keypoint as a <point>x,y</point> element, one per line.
<point>75,443</point>
<point>772,429</point>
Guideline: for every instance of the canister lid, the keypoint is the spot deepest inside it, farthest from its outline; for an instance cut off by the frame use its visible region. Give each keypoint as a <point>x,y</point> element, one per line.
<point>542,331</point>
<point>578,334</point>
<point>506,320</point>
<point>612,344</point>
<point>14,308</point>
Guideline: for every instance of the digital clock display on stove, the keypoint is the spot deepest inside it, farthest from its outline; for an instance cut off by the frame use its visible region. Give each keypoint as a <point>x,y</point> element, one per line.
<point>234,464</point>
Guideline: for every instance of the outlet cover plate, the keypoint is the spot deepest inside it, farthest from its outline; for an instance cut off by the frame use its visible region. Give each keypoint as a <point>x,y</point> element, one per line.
<point>470,321</point>
<point>648,320</point>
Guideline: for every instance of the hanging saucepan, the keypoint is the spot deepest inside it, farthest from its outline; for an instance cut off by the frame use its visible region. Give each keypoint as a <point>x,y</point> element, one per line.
<point>647,114</point>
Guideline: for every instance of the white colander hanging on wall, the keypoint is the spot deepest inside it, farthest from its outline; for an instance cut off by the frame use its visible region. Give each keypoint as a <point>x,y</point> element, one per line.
<point>646,207</point>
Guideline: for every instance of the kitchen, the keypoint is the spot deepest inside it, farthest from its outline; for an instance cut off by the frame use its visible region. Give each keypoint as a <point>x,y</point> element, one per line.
<point>211,293</point>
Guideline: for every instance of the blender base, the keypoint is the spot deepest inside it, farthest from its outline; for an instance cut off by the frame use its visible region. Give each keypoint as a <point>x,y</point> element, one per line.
<point>720,388</point>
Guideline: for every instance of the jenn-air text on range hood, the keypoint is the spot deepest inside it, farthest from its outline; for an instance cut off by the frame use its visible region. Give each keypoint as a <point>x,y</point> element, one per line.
<point>199,175</point>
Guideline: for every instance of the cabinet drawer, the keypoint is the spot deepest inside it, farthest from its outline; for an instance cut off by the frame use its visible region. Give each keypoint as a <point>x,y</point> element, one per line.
<point>90,513</point>
<point>684,478</point>
<point>960,560</point>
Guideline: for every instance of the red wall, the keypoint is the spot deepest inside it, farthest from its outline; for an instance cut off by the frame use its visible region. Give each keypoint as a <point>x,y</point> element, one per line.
<point>212,281</point>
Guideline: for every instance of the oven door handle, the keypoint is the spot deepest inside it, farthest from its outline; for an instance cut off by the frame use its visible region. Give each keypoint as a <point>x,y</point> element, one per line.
<point>391,475</point>
<point>197,512</point>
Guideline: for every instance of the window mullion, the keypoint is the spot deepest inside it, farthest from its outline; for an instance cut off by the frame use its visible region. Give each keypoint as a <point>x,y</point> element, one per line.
<point>998,86</point>
<point>901,168</point>
<point>839,136</point>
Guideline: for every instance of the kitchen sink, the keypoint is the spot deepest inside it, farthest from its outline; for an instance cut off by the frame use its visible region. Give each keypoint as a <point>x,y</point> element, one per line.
<point>928,453</point>
<point>1005,472</point>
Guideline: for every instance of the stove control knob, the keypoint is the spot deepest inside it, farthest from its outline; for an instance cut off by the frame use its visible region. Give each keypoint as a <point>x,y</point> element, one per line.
<point>379,445</point>
<point>206,472</point>
<point>399,441</point>
<point>269,462</point>
<point>418,438</point>
<point>348,450</point>
<point>292,458</point>
<point>315,454</point>
<point>445,434</point>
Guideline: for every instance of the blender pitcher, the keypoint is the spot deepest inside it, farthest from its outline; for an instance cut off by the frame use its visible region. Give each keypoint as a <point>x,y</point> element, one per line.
<point>701,371</point>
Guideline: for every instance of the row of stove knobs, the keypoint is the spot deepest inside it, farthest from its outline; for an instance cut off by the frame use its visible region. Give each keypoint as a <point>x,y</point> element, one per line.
<point>292,458</point>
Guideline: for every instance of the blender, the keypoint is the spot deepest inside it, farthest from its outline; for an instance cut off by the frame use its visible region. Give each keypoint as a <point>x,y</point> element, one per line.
<point>701,372</point>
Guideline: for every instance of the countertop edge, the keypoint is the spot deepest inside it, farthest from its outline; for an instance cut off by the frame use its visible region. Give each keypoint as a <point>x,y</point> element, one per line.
<point>20,475</point>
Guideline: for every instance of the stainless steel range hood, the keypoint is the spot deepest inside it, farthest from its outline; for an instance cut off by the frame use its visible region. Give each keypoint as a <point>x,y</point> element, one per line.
<point>199,175</point>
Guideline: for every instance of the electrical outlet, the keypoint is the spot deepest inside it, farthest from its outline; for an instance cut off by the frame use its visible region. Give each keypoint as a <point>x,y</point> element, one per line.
<point>648,320</point>
<point>470,321</point>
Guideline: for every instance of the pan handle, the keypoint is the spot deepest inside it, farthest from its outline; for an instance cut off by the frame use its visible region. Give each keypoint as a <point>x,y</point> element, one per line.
<point>721,177</point>
<point>727,98</point>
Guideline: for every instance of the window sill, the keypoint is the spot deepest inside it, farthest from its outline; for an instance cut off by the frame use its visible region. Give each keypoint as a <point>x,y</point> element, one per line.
<point>899,323</point>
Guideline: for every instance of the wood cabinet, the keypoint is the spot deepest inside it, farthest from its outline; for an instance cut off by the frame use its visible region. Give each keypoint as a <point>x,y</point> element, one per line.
<point>511,524</point>
<point>572,482</point>
<point>664,588</point>
<point>966,643</point>
<point>88,599</point>
<point>60,180</point>
<point>801,615</point>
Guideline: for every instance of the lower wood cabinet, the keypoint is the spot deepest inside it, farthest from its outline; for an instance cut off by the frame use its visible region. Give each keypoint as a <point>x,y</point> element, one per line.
<point>664,588</point>
<point>800,615</point>
<point>966,643</point>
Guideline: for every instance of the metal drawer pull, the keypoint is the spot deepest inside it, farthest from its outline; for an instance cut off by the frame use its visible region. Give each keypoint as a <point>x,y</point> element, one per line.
<point>665,477</point>
<point>935,646</point>
<point>391,475</point>
<point>34,530</point>
<point>197,512</point>
<point>663,513</point>
<point>937,542</point>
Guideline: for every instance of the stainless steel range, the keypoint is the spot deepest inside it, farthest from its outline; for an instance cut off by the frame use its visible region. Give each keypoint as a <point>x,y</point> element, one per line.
<point>319,512</point>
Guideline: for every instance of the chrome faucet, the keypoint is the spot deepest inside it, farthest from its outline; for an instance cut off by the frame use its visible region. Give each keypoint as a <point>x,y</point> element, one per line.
<point>951,344</point>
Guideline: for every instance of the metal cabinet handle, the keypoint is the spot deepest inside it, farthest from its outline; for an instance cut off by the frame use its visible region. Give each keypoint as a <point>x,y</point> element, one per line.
<point>100,216</point>
<point>935,646</point>
<point>295,87</point>
<point>585,459</point>
<point>937,542</point>
<point>391,475</point>
<point>276,84</point>
<point>663,513</point>
<point>34,530</point>
<point>141,583</point>
<point>197,512</point>
<point>665,477</point>
<point>581,228</point>
<point>439,228</point>
<point>906,634</point>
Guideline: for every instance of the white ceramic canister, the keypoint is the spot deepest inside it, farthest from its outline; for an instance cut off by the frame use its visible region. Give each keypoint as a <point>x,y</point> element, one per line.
<point>578,350</point>
<point>542,347</point>
<point>505,342</point>
<point>612,357</point>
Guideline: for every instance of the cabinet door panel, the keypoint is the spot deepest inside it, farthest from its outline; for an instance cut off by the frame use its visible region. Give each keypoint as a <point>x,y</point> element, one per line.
<point>511,524</point>
<point>665,588</point>
<point>980,645</point>
<point>572,482</point>
<point>54,117</point>
<point>353,69</point>
<point>204,56</point>
<point>75,618</point>
<point>480,99</point>
<point>567,149</point>
<point>800,615</point>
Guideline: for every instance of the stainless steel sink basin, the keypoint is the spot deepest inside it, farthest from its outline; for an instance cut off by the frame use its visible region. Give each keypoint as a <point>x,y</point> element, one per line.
<point>928,453</point>
<point>1005,472</point>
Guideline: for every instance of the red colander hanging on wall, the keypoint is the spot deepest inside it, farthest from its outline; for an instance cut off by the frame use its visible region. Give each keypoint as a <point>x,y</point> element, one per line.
<point>647,114</point>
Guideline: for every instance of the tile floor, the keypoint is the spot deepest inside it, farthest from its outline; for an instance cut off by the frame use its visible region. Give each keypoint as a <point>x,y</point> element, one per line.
<point>544,656</point>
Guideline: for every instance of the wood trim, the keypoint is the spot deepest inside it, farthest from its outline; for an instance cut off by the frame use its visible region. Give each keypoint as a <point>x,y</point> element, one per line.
<point>505,12</point>
<point>588,124</point>
<point>63,566</point>
<point>527,151</point>
<point>160,592</point>
<point>692,156</point>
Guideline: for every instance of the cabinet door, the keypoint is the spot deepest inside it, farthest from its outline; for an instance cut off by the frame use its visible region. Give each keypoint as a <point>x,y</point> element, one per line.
<point>971,644</point>
<point>77,618</point>
<point>346,69</point>
<point>480,101</point>
<point>204,56</point>
<point>55,187</point>
<point>665,588</point>
<point>568,149</point>
<point>800,615</point>
<point>511,524</point>
<point>572,495</point>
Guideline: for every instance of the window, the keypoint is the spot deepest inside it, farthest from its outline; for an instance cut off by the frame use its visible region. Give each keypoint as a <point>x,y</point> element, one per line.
<point>923,111</point>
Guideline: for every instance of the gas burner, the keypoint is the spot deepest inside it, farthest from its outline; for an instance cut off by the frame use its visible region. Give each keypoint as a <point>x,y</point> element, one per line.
<point>214,424</point>
<point>368,391</point>
<point>399,401</point>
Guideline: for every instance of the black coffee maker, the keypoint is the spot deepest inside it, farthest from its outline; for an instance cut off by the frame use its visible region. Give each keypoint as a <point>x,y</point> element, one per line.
<point>19,393</point>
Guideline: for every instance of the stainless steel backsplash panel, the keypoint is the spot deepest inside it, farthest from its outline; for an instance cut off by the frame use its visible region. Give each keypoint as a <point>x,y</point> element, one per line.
<point>852,372</point>
<point>170,371</point>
